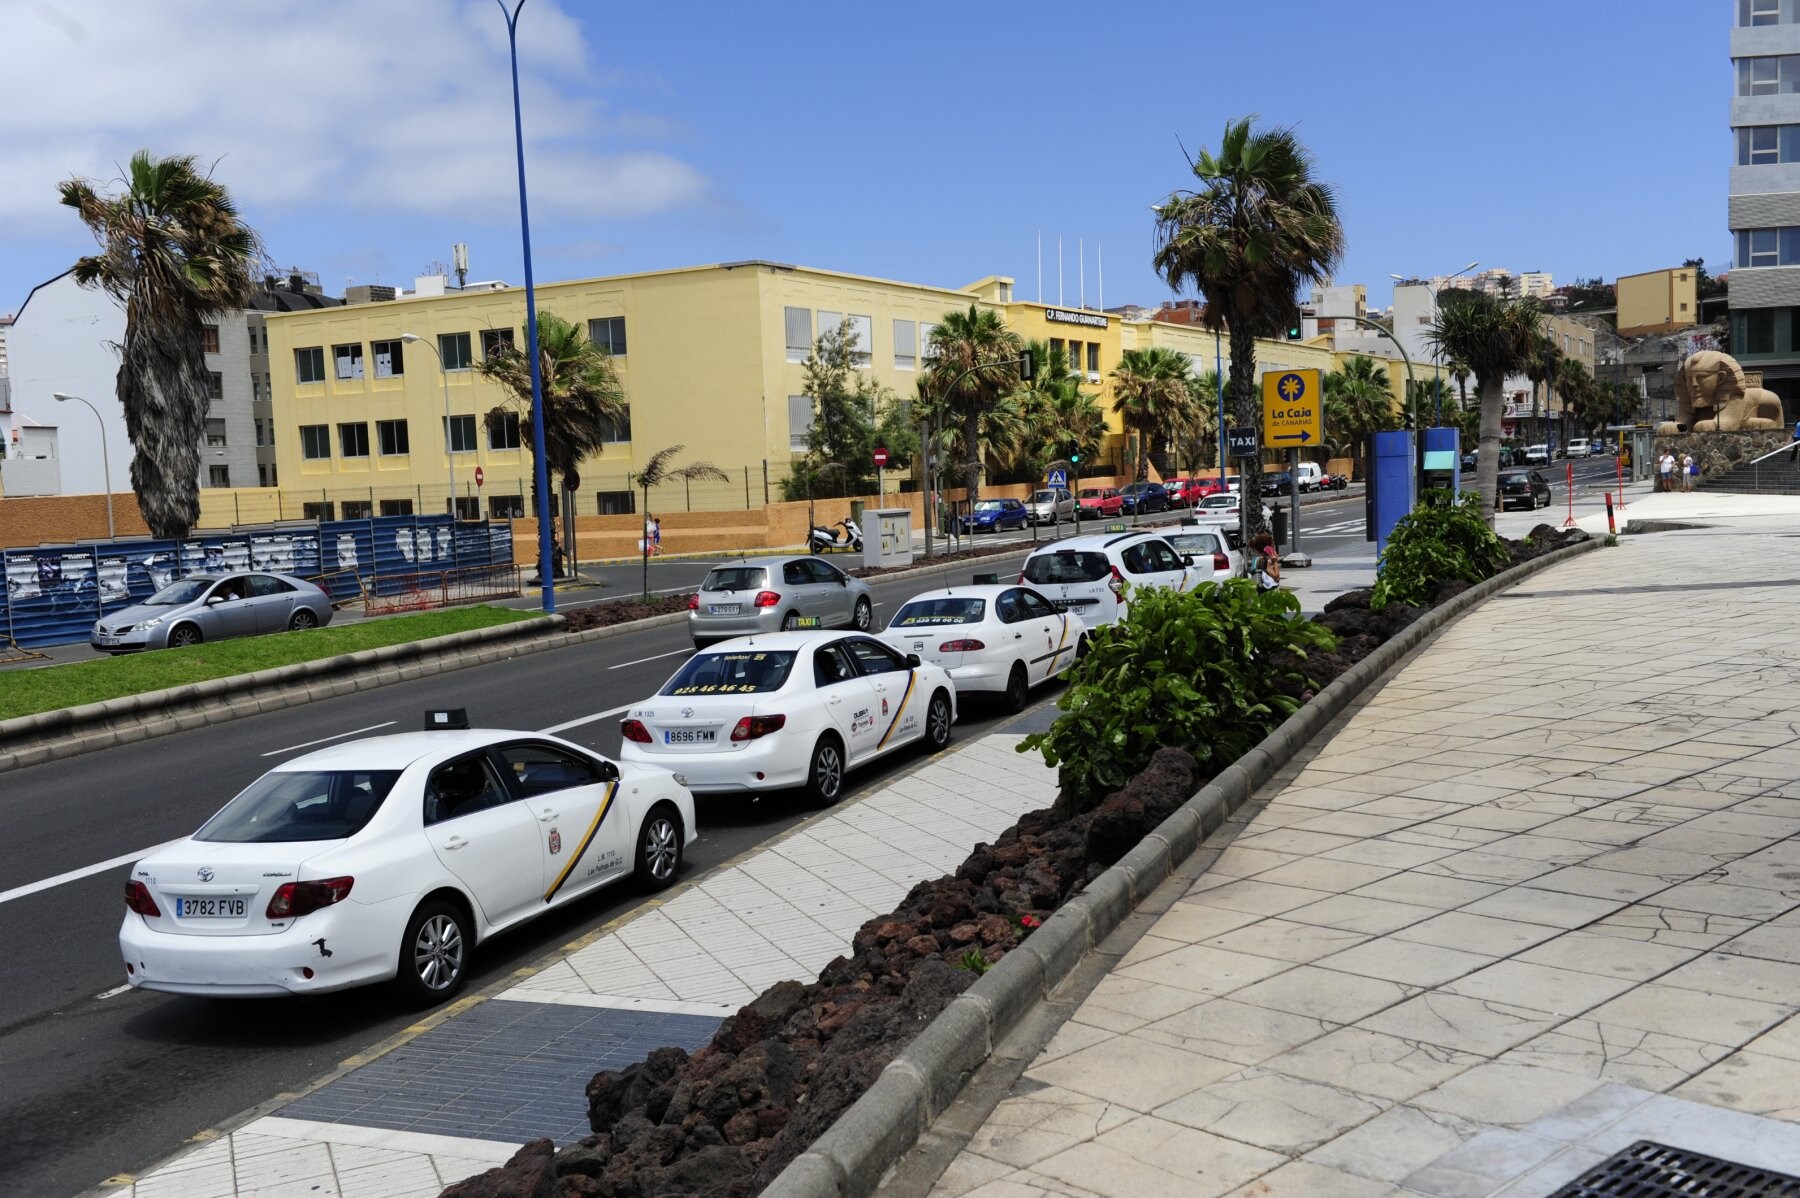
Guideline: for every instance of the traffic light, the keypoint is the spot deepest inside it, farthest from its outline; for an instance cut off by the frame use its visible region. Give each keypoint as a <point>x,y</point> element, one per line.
<point>1074,456</point>
<point>1293,333</point>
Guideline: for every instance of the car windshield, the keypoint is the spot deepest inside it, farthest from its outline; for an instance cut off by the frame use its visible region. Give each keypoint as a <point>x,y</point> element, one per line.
<point>989,505</point>
<point>178,593</point>
<point>1067,565</point>
<point>1042,496</point>
<point>945,609</point>
<point>734,578</point>
<point>740,672</point>
<point>1092,493</point>
<point>1192,542</point>
<point>301,805</point>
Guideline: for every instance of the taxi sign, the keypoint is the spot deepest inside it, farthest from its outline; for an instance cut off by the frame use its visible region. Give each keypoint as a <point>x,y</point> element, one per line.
<point>808,622</point>
<point>1293,409</point>
<point>1118,528</point>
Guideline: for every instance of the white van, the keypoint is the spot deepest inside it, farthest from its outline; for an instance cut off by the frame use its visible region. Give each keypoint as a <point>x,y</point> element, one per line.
<point>1310,476</point>
<point>1580,447</point>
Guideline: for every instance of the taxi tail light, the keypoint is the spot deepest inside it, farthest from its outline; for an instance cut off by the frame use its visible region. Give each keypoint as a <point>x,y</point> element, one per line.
<point>137,897</point>
<point>694,601</point>
<point>294,899</point>
<point>753,726</point>
<point>1021,581</point>
<point>1116,582</point>
<point>634,730</point>
<point>1221,562</point>
<point>961,647</point>
<point>766,599</point>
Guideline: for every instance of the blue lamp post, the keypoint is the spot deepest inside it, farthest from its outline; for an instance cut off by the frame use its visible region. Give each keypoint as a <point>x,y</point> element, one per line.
<point>540,471</point>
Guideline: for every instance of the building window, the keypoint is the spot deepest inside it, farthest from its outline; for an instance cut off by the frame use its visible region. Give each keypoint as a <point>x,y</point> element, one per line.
<point>506,507</point>
<point>259,431</point>
<point>608,333</point>
<point>1759,12</point>
<point>390,362</point>
<point>218,476</point>
<point>215,434</point>
<point>1057,351</point>
<point>1075,356</point>
<point>274,474</point>
<point>215,386</point>
<point>309,364</point>
<point>358,509</point>
<point>394,442</point>
<point>495,342</point>
<point>461,434</point>
<point>503,433</point>
<point>1093,357</point>
<point>353,440</point>
<point>209,339</point>
<point>349,360</point>
<point>617,503</point>
<point>1769,75</point>
<point>863,330</point>
<point>454,349</point>
<point>799,333</point>
<point>617,428</point>
<point>1759,331</point>
<point>396,507</point>
<point>1769,247</point>
<point>262,474</point>
<point>927,350</point>
<point>466,507</point>
<point>323,510</point>
<point>906,345</point>
<point>800,417</point>
<point>315,442</point>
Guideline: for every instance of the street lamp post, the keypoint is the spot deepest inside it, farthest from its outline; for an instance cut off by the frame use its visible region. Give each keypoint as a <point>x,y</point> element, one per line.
<point>449,460</point>
<point>105,458</point>
<point>540,471</point>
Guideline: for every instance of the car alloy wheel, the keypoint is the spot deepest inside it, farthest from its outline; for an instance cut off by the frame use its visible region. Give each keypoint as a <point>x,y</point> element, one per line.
<point>433,953</point>
<point>825,780</point>
<point>183,635</point>
<point>937,721</point>
<point>303,620</point>
<point>659,849</point>
<point>863,616</point>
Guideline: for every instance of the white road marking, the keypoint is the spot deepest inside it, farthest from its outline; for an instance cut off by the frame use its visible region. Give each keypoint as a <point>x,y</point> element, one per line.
<point>655,657</point>
<point>335,736</point>
<point>75,875</point>
<point>586,719</point>
<point>114,992</point>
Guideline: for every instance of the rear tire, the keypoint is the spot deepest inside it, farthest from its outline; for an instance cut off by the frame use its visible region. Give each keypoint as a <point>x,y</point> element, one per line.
<point>863,616</point>
<point>659,848</point>
<point>825,776</point>
<point>434,954</point>
<point>1018,689</point>
<point>184,636</point>
<point>303,620</point>
<point>937,722</point>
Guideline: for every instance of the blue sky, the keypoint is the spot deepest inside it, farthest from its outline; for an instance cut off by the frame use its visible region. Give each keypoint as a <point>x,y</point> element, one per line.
<point>930,142</point>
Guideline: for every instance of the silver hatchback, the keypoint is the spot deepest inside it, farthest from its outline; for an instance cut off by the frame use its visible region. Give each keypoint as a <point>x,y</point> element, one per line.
<point>765,594</point>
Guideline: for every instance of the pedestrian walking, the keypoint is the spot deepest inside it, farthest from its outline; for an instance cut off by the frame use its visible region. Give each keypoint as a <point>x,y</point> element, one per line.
<point>655,534</point>
<point>1690,471</point>
<point>1665,468</point>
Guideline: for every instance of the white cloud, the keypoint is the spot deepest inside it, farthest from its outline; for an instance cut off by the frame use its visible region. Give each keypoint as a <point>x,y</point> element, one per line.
<point>390,106</point>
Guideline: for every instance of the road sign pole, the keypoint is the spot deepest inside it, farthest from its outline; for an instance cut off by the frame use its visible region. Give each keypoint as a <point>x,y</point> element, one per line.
<point>1294,501</point>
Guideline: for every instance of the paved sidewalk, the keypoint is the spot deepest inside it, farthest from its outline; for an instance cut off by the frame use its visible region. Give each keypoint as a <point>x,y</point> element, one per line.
<point>460,1097</point>
<point>1537,899</point>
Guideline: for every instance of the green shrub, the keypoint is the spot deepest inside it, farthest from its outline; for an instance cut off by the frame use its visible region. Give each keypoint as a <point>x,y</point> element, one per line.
<point>1434,543</point>
<point>1194,671</point>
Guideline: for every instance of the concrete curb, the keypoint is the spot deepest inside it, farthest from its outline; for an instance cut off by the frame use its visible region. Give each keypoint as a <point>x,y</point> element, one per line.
<point>853,1155</point>
<point>68,731</point>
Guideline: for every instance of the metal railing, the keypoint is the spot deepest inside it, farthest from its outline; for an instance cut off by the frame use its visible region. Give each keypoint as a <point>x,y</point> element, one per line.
<point>433,589</point>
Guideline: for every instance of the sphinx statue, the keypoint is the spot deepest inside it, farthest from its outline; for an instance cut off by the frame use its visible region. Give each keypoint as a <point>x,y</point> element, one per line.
<point>1713,395</point>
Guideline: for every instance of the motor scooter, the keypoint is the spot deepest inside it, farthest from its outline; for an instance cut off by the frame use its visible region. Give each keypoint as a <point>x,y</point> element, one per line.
<point>824,540</point>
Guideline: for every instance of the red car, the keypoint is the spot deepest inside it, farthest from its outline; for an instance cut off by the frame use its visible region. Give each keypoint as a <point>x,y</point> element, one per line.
<point>1186,492</point>
<point>1097,503</point>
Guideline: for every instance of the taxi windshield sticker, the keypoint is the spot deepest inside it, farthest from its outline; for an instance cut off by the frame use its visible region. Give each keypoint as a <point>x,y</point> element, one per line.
<point>910,621</point>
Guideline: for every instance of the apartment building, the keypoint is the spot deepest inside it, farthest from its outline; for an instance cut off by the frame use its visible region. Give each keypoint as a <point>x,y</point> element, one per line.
<point>1658,301</point>
<point>1764,192</point>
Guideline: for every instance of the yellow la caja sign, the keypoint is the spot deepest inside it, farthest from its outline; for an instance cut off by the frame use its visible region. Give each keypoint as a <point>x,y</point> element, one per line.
<point>1293,409</point>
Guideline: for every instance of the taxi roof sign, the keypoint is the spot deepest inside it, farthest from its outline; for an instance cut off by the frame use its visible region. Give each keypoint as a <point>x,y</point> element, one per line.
<point>1293,409</point>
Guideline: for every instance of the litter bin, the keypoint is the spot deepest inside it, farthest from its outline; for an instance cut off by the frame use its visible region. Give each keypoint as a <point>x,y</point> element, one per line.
<point>1278,527</point>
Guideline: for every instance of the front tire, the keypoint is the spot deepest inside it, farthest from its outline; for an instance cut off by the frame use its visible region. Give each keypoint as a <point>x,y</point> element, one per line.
<point>863,616</point>
<point>184,636</point>
<point>825,776</point>
<point>659,848</point>
<point>434,954</point>
<point>937,721</point>
<point>1018,688</point>
<point>303,620</point>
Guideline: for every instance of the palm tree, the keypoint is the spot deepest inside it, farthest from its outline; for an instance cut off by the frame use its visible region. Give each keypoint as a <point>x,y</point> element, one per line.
<point>1495,338</point>
<point>584,402</point>
<point>1197,435</point>
<point>1357,403</point>
<point>1459,370</point>
<point>1258,229</point>
<point>1151,395</point>
<point>1541,369</point>
<point>173,252</point>
<point>656,471</point>
<point>974,363</point>
<point>1037,400</point>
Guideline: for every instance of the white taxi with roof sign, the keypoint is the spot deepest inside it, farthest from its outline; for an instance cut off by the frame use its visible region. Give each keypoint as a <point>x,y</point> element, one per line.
<point>1088,575</point>
<point>788,709</point>
<point>1002,640</point>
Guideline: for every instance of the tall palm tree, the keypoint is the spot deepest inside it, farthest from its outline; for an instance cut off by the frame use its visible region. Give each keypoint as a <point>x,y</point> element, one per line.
<point>584,402</point>
<point>1357,403</point>
<point>1151,395</point>
<point>1541,369</point>
<point>975,363</point>
<point>1257,230</point>
<point>1197,434</point>
<point>1495,337</point>
<point>174,252</point>
<point>1459,370</point>
<point>656,471</point>
<point>1037,400</point>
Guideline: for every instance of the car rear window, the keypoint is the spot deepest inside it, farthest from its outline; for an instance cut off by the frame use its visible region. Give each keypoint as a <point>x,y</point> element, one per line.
<point>743,672</point>
<point>735,578</point>
<point>1067,565</point>
<point>301,805</point>
<point>921,613</point>
<point>1193,542</point>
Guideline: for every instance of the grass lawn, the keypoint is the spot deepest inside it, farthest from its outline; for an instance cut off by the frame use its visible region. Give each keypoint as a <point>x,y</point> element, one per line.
<point>26,692</point>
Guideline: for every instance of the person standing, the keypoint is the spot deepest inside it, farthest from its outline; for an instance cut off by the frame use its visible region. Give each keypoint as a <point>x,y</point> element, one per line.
<point>1665,467</point>
<point>1690,470</point>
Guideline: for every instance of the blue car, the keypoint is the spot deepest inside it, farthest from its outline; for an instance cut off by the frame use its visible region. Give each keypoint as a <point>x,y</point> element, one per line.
<point>993,515</point>
<point>1145,497</point>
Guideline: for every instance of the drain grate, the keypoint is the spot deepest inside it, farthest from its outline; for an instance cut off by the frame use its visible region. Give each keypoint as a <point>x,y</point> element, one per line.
<point>1650,1170</point>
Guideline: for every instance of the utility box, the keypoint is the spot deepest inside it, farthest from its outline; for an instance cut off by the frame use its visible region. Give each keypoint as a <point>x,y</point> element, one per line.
<point>1442,467</point>
<point>1392,483</point>
<point>887,537</point>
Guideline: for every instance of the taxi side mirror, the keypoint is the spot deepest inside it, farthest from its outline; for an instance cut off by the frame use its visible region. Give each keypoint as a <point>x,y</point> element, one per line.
<point>912,659</point>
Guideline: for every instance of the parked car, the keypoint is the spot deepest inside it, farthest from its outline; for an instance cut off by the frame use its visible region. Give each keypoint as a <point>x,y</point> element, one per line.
<point>1088,575</point>
<point>393,857</point>
<point>1222,512</point>
<point>1579,447</point>
<point>764,594</point>
<point>1310,476</point>
<point>1182,491</point>
<point>1100,502</point>
<point>1201,542</point>
<point>213,607</point>
<point>994,515</point>
<point>995,640</point>
<point>1468,462</point>
<point>1536,455</point>
<point>1276,482</point>
<point>1052,505</point>
<point>1522,488</point>
<point>1145,497</point>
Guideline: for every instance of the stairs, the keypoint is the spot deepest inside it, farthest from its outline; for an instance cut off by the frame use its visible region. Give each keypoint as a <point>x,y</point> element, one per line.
<point>1774,475</point>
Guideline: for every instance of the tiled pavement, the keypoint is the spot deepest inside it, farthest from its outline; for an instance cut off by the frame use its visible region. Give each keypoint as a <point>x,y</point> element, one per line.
<point>461,1097</point>
<point>1539,897</point>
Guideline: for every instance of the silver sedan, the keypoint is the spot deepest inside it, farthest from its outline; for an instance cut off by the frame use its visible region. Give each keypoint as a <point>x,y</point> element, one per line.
<point>765,594</point>
<point>213,607</point>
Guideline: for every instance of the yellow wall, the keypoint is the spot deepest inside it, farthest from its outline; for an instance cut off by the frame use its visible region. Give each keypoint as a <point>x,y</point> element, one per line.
<point>1658,301</point>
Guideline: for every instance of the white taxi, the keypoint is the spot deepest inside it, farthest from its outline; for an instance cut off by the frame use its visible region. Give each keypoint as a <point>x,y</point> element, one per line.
<point>391,858</point>
<point>1001,640</point>
<point>1088,575</point>
<point>788,709</point>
